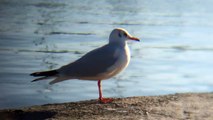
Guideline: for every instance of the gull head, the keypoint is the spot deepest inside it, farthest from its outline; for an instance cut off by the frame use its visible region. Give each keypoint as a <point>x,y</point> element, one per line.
<point>120,35</point>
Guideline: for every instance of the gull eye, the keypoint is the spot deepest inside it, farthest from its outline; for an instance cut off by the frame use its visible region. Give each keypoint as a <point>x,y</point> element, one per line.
<point>125,34</point>
<point>119,34</point>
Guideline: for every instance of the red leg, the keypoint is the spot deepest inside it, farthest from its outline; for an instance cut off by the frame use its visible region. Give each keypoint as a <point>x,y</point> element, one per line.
<point>99,89</point>
<point>101,99</point>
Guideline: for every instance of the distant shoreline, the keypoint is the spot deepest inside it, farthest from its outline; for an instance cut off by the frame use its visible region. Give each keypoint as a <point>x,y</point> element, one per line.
<point>174,106</point>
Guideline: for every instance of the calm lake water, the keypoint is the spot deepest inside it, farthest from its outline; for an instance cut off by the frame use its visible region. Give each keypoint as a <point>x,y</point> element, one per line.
<point>174,56</point>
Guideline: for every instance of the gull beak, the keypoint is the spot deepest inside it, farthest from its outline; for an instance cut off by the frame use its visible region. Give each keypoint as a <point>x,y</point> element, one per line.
<point>134,38</point>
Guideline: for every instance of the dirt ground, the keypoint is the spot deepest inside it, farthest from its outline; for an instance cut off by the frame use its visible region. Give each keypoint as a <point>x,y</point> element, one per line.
<point>188,106</point>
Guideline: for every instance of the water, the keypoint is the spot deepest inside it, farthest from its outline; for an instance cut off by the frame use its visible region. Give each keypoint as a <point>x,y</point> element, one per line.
<point>175,55</point>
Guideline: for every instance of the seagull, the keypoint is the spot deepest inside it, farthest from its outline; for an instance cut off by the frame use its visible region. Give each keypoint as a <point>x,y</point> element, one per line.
<point>99,64</point>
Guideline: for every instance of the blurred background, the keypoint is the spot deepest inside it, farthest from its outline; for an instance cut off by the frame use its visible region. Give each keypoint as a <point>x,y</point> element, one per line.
<point>175,54</point>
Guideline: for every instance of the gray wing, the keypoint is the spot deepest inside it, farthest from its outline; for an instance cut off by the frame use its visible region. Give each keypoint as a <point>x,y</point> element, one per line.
<point>91,64</point>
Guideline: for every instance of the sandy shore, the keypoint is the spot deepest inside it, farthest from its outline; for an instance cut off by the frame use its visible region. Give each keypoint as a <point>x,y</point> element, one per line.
<point>193,106</point>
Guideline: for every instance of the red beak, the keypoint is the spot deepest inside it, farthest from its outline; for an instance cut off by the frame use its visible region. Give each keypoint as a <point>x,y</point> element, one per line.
<point>134,38</point>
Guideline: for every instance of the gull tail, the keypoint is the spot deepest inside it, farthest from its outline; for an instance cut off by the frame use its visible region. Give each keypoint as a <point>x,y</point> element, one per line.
<point>44,75</point>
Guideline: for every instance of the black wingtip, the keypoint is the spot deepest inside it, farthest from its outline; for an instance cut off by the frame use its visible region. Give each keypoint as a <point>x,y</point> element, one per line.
<point>32,74</point>
<point>35,74</point>
<point>33,80</point>
<point>44,73</point>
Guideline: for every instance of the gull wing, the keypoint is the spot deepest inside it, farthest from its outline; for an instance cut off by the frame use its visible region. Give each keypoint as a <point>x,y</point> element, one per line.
<point>92,63</point>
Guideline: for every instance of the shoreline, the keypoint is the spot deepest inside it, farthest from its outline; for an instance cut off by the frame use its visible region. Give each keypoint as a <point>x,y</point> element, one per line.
<point>166,107</point>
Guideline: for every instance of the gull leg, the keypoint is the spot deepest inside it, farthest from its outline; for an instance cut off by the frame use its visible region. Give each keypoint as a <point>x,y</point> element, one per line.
<point>100,90</point>
<point>101,99</point>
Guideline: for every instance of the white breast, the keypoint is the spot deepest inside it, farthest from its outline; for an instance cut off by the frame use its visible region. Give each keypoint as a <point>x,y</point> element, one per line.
<point>122,62</point>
